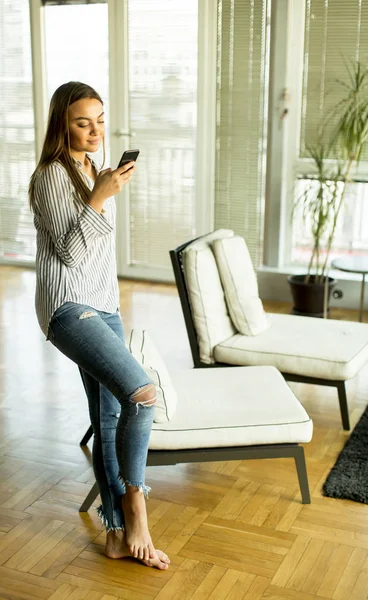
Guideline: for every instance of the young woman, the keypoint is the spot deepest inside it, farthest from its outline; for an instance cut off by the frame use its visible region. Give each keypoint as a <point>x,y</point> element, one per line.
<point>77,305</point>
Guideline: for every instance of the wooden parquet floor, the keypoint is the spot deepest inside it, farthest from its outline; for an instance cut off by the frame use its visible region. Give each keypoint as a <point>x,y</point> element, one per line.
<point>234,531</point>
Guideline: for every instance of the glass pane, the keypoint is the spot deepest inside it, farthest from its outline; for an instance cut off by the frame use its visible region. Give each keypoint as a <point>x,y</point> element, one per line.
<point>351,236</point>
<point>336,35</point>
<point>17,151</point>
<point>241,127</point>
<point>84,57</point>
<point>163,108</point>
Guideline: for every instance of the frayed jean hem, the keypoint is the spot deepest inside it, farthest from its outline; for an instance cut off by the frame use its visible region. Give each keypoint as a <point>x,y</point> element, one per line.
<point>141,486</point>
<point>104,521</point>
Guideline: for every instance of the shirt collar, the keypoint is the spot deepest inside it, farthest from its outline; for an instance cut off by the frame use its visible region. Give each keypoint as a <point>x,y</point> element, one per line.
<point>80,165</point>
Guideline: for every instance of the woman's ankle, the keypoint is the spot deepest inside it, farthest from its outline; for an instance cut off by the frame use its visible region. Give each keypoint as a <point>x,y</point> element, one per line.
<point>133,500</point>
<point>115,536</point>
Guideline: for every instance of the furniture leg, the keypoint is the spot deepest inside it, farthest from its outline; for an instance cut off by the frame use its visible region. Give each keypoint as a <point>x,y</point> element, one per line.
<point>325,295</point>
<point>343,405</point>
<point>301,470</point>
<point>90,498</point>
<point>87,436</point>
<point>361,308</point>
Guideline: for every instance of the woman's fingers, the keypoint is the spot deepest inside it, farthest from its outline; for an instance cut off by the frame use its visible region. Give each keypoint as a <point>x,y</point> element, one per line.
<point>109,182</point>
<point>127,175</point>
<point>128,167</point>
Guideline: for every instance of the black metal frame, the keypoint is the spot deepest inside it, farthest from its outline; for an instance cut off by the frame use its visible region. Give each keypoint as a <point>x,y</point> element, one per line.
<point>173,457</point>
<point>177,264</point>
<point>87,436</point>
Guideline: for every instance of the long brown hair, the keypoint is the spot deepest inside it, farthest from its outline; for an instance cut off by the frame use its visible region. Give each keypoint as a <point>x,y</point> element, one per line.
<point>56,146</point>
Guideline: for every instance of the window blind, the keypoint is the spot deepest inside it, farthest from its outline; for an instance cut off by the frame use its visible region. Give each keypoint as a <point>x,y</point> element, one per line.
<point>61,2</point>
<point>336,33</point>
<point>163,66</point>
<point>242,59</point>
<point>17,150</point>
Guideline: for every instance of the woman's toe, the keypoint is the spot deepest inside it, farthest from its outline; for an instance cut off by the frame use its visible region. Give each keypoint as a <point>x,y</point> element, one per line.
<point>162,556</point>
<point>159,560</point>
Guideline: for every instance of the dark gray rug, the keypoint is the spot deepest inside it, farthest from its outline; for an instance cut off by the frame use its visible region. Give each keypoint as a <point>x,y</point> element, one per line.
<point>349,477</point>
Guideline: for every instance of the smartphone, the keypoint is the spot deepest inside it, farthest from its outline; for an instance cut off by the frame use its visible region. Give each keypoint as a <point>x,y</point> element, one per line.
<point>127,157</point>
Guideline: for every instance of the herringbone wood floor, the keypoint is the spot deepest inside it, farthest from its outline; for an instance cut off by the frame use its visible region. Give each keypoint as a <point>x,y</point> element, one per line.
<point>233,530</point>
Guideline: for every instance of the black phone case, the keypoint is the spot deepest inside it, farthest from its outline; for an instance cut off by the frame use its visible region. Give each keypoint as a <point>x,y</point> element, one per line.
<point>127,157</point>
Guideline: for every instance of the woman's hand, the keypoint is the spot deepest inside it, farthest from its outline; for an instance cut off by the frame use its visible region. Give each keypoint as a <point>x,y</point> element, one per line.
<point>109,183</point>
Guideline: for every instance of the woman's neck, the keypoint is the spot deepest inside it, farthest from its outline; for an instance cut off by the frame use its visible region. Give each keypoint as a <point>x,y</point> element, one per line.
<point>81,156</point>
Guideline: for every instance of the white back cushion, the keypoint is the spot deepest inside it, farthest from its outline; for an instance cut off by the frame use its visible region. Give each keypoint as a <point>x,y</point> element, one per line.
<point>206,295</point>
<point>145,352</point>
<point>240,285</point>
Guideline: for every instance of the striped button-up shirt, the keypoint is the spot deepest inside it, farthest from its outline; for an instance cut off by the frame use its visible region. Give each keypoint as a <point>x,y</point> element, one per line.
<point>75,259</point>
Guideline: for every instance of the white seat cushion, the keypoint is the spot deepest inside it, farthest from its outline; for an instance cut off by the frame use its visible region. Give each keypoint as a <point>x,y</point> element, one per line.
<point>240,284</point>
<point>232,407</point>
<point>206,295</point>
<point>145,352</point>
<point>323,348</point>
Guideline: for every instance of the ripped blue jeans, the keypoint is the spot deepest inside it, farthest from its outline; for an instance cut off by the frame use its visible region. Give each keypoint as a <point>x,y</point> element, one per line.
<point>95,341</point>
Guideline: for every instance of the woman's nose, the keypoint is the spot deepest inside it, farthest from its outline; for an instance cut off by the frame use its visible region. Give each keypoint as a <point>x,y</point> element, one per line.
<point>96,129</point>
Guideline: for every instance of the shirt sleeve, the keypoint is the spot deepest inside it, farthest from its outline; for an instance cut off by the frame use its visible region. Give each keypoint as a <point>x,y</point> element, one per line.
<point>71,232</point>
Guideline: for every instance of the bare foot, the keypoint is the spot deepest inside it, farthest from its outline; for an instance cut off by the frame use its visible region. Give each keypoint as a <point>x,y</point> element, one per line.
<point>137,535</point>
<point>116,547</point>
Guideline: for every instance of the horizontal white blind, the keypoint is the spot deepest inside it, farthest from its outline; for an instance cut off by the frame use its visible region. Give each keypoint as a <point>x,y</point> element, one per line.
<point>241,101</point>
<point>17,150</point>
<point>61,2</point>
<point>336,34</point>
<point>163,67</point>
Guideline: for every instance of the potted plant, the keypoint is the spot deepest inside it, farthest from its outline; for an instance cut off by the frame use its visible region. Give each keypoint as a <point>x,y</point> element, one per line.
<point>321,203</point>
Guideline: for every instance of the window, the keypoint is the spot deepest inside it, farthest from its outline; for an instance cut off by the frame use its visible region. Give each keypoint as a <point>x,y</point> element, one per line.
<point>351,236</point>
<point>336,34</point>
<point>17,128</point>
<point>242,81</point>
<point>17,152</point>
<point>76,60</point>
<point>163,72</point>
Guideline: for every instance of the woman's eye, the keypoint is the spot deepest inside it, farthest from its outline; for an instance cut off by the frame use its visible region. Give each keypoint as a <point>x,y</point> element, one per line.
<point>82,126</point>
<point>100,122</point>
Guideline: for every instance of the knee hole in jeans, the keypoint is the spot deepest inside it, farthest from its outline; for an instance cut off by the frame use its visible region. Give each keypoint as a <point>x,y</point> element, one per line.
<point>145,395</point>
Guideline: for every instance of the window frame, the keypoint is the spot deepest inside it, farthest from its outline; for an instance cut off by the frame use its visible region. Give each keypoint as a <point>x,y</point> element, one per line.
<point>295,167</point>
<point>206,127</point>
<point>285,93</point>
<point>36,12</point>
<point>39,97</point>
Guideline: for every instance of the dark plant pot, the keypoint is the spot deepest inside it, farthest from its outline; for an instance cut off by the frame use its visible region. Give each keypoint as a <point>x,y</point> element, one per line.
<point>309,297</point>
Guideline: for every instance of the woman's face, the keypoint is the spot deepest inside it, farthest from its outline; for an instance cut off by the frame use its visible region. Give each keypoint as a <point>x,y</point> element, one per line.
<point>86,125</point>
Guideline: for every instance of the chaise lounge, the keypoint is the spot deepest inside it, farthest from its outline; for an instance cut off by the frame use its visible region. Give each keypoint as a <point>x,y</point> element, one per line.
<point>219,295</point>
<point>220,415</point>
